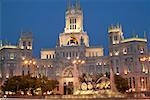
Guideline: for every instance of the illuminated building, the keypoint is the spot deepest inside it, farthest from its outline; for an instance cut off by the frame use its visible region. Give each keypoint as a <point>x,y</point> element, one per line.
<point>128,57</point>
<point>11,57</point>
<point>73,56</point>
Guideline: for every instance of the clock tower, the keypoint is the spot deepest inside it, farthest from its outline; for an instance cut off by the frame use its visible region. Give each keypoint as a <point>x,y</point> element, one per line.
<point>73,31</point>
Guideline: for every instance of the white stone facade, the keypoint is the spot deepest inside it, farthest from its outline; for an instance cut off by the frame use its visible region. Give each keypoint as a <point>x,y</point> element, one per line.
<point>73,44</point>
<point>124,55</point>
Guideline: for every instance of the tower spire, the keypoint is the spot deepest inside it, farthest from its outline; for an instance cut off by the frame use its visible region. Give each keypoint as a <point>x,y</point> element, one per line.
<point>145,35</point>
<point>68,4</point>
<point>78,4</point>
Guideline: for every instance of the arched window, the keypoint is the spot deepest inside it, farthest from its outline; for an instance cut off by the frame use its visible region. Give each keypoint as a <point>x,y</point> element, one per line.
<point>72,41</point>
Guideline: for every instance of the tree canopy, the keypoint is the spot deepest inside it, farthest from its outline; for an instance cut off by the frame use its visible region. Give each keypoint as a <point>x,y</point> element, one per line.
<point>28,83</point>
<point>121,83</point>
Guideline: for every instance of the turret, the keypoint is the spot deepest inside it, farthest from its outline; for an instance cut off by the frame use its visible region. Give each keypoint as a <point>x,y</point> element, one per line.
<point>25,41</point>
<point>74,18</point>
<point>115,34</point>
<point>73,30</point>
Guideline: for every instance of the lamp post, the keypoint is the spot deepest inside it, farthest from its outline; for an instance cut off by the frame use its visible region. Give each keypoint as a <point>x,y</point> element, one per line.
<point>30,62</point>
<point>76,63</point>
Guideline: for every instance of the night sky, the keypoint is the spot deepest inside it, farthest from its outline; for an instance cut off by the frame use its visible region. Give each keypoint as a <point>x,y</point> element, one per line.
<point>46,19</point>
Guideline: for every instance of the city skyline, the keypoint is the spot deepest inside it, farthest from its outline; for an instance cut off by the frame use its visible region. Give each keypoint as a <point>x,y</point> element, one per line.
<point>46,20</point>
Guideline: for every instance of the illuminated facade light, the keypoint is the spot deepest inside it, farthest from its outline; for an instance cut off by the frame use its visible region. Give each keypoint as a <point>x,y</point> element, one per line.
<point>34,62</point>
<point>125,72</point>
<point>83,62</point>
<point>30,61</point>
<point>104,63</point>
<point>74,61</point>
<point>26,62</point>
<point>142,80</point>
<point>68,58</point>
<point>117,73</point>
<point>23,58</point>
<point>146,71</point>
<point>7,76</point>
<point>117,53</point>
<point>110,53</point>
<point>79,61</point>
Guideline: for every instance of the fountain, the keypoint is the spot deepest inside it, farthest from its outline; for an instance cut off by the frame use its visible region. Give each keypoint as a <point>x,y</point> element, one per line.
<point>100,88</point>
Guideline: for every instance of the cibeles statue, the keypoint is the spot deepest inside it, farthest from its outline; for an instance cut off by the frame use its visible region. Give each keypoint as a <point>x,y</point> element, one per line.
<point>91,85</point>
<point>86,82</point>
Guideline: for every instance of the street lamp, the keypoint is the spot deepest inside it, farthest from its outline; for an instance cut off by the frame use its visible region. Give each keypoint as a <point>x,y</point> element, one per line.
<point>30,62</point>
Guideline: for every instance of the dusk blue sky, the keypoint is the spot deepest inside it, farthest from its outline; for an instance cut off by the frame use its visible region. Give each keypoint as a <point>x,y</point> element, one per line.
<point>46,19</point>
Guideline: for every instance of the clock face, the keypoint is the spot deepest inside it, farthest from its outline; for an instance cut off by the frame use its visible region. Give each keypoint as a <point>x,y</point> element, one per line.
<point>72,11</point>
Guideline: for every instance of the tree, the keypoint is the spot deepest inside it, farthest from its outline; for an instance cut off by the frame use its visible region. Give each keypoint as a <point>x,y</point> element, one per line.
<point>121,83</point>
<point>28,83</point>
<point>12,84</point>
<point>47,85</point>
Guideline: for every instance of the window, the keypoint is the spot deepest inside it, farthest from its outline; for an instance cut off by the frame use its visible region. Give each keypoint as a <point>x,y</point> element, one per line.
<point>68,43</point>
<point>66,54</point>
<point>116,52</point>
<point>63,54</point>
<point>129,68</point>
<point>72,23</point>
<point>130,83</point>
<point>46,56</point>
<point>115,37</point>
<point>73,54</point>
<point>12,56</point>
<point>133,82</point>
<point>117,69</point>
<point>146,81</point>
<point>28,72</point>
<point>70,54</point>
<point>72,20</point>
<point>99,68</point>
<point>24,43</point>
<point>75,20</point>
<point>124,50</point>
<point>23,73</point>
<point>141,50</point>
<point>29,43</point>
<point>131,59</point>
<point>76,54</point>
